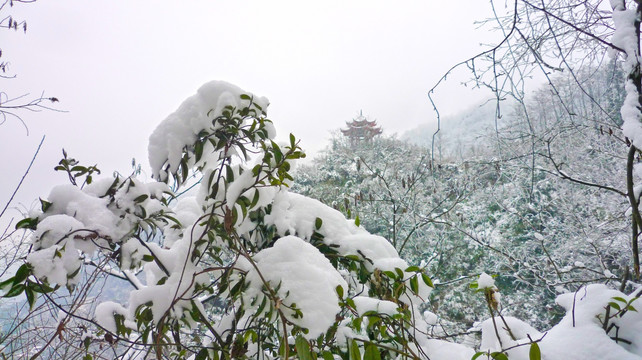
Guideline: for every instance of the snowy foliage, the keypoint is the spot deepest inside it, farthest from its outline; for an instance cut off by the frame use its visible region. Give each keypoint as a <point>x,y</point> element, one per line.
<point>517,215</point>
<point>240,262</point>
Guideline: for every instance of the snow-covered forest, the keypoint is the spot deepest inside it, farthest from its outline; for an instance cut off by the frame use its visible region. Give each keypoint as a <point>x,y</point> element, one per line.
<point>508,231</point>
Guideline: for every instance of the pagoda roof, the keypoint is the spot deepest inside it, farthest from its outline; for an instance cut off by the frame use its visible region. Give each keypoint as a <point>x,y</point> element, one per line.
<point>361,127</point>
<point>362,122</point>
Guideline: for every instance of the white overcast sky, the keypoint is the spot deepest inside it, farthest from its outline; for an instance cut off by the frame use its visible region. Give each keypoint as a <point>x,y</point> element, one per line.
<point>120,67</point>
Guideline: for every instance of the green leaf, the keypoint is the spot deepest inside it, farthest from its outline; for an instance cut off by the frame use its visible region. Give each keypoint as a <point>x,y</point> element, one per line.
<point>255,198</point>
<point>353,257</point>
<point>147,315</point>
<point>303,348</point>
<point>40,287</point>
<point>340,291</point>
<point>141,198</point>
<point>236,289</point>
<point>618,298</point>
<point>198,150</point>
<point>259,311</point>
<point>317,223</point>
<point>202,355</point>
<point>256,170</point>
<point>112,187</point>
<point>355,353</point>
<point>372,352</point>
<point>229,173</point>
<point>414,284</point>
<point>22,274</point>
<point>427,280</point>
<point>15,291</point>
<point>534,353</point>
<point>477,354</point>
<point>499,356</point>
<point>6,283</point>
<point>614,305</point>
<point>31,297</point>
<point>44,205</point>
<point>282,347</point>
<point>184,168</point>
<point>327,355</point>
<point>28,223</point>
<point>390,274</point>
<point>86,343</point>
<point>356,323</point>
<point>357,221</point>
<point>278,155</point>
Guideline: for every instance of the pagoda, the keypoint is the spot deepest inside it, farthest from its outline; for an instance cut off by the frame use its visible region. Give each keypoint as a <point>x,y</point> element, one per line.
<point>361,129</point>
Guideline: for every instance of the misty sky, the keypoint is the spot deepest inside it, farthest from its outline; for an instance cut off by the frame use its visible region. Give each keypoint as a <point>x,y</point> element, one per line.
<point>120,67</point>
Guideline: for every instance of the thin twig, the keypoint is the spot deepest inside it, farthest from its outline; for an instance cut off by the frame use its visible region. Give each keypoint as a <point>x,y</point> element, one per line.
<point>23,177</point>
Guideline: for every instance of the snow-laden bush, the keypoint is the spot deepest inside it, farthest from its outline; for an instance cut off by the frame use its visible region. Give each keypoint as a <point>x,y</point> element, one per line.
<point>236,266</point>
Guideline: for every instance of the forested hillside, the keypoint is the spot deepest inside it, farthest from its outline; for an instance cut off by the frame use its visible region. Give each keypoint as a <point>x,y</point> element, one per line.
<point>537,200</point>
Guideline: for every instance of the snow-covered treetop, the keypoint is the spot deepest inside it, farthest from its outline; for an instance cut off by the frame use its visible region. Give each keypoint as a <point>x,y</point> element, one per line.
<point>198,114</point>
